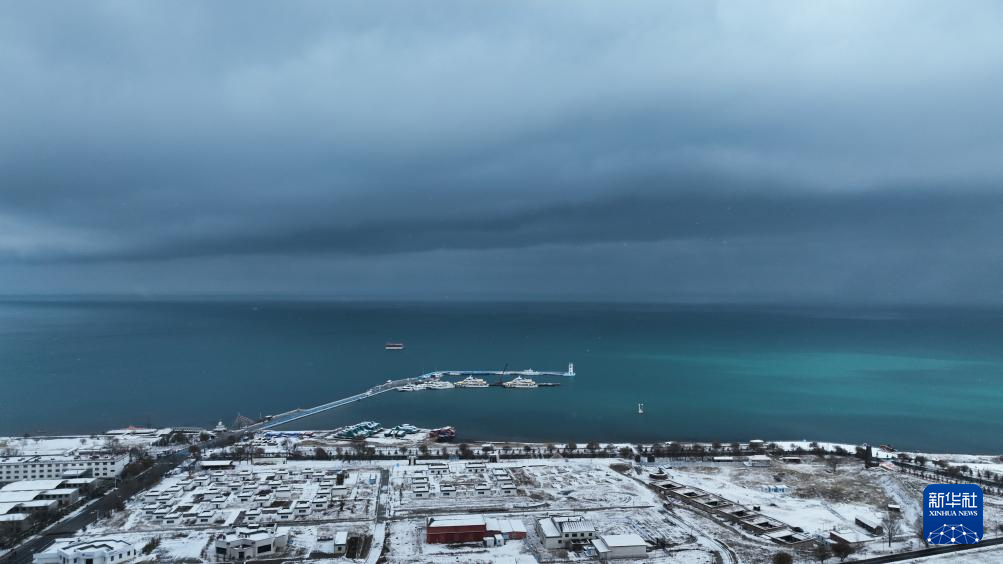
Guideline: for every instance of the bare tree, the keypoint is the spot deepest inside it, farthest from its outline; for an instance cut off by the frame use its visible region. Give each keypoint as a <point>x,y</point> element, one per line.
<point>892,526</point>
<point>833,463</point>
<point>843,551</point>
<point>917,527</point>
<point>822,551</point>
<point>783,558</point>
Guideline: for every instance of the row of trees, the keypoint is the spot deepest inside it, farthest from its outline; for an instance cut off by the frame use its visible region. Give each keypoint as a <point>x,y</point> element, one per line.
<point>820,551</point>
<point>571,449</point>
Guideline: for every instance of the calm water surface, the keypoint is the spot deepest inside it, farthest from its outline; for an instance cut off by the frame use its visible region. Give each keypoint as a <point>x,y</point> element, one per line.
<point>919,379</point>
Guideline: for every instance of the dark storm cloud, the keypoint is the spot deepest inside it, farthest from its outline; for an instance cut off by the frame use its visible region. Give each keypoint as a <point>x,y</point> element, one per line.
<point>712,150</point>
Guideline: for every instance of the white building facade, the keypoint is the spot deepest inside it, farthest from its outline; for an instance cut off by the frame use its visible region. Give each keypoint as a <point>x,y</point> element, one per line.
<point>97,551</point>
<point>245,543</point>
<point>563,531</point>
<point>616,547</point>
<point>53,467</point>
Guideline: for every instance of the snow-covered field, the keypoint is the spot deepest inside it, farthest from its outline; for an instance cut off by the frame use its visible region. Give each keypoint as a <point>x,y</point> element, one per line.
<point>66,445</point>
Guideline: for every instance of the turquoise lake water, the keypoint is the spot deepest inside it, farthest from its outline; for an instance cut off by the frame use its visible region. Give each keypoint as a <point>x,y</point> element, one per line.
<point>919,379</point>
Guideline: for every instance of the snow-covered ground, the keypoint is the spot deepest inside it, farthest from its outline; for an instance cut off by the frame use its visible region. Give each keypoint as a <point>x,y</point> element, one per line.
<point>612,492</point>
<point>66,445</point>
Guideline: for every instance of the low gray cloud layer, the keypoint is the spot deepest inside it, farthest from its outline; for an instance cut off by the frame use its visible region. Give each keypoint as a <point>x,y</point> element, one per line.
<point>651,150</point>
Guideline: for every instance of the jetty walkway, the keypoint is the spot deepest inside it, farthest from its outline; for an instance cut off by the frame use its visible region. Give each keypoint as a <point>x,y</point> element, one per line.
<point>300,413</point>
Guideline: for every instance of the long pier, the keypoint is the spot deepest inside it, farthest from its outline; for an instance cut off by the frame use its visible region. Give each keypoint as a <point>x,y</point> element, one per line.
<point>389,385</point>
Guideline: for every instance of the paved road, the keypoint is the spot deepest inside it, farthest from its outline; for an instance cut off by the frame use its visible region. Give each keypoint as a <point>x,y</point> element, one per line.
<point>23,554</point>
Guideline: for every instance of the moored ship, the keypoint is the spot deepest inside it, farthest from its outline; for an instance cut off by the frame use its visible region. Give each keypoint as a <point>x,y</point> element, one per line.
<point>471,382</point>
<point>439,385</point>
<point>520,382</point>
<point>411,387</point>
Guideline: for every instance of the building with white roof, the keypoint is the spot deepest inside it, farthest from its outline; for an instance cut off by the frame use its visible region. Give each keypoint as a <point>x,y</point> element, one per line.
<point>96,551</point>
<point>614,547</point>
<point>63,495</point>
<point>51,467</point>
<point>340,542</point>
<point>558,531</point>
<point>245,543</point>
<point>14,522</point>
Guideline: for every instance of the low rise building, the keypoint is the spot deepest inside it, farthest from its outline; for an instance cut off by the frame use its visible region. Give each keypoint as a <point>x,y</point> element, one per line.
<point>563,531</point>
<point>245,543</point>
<point>39,490</point>
<point>852,538</point>
<point>340,542</point>
<point>869,525</point>
<point>615,547</point>
<point>472,528</point>
<point>14,522</point>
<point>96,551</point>
<point>41,467</point>
<point>456,528</point>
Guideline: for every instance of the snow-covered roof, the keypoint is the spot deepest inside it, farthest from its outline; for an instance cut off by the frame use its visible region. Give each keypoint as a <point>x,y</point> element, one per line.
<point>38,503</point>
<point>341,537</point>
<point>13,517</point>
<point>573,524</point>
<point>505,525</point>
<point>456,521</point>
<point>7,507</point>
<point>867,521</point>
<point>851,537</point>
<point>17,497</point>
<point>548,528</point>
<point>629,539</point>
<point>32,485</point>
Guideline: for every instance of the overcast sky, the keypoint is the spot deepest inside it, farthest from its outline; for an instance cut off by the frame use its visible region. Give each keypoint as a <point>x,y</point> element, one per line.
<point>672,151</point>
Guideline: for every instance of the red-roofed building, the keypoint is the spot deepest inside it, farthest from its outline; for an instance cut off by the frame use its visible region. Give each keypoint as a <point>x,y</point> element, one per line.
<point>472,528</point>
<point>464,528</point>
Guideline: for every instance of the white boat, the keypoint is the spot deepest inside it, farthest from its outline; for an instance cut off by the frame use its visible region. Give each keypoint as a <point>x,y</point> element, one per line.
<point>411,387</point>
<point>519,382</point>
<point>439,385</point>
<point>640,409</point>
<point>471,382</point>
